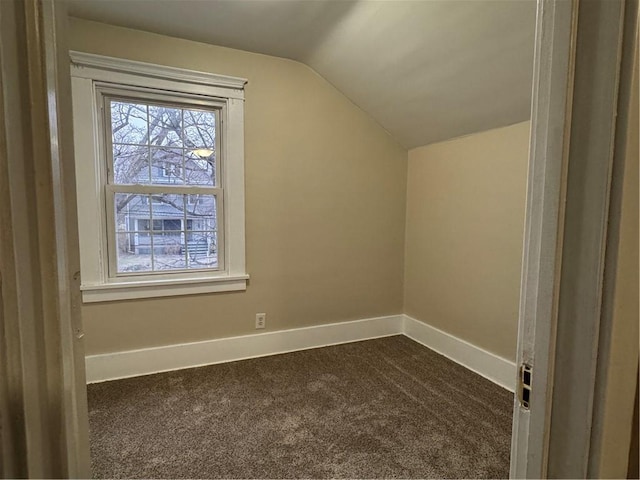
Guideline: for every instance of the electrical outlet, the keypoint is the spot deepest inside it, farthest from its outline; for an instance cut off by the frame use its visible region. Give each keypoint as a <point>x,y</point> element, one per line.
<point>261,320</point>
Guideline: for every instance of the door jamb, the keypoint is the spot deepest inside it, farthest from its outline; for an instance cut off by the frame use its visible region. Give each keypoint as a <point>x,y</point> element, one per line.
<point>576,97</point>
<point>45,424</point>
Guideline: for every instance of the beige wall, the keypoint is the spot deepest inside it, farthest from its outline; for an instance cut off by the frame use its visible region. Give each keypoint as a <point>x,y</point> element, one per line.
<point>464,236</point>
<point>325,204</point>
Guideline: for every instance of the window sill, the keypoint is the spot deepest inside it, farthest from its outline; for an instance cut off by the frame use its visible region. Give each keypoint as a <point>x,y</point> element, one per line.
<point>107,292</point>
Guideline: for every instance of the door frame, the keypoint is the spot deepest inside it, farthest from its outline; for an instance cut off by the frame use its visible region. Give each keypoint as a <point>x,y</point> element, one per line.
<point>43,412</point>
<point>578,119</point>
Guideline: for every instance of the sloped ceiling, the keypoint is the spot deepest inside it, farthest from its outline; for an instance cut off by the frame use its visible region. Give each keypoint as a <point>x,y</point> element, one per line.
<point>426,70</point>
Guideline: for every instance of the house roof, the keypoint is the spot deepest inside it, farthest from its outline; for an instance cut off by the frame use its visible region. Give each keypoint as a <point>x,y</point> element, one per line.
<point>426,70</point>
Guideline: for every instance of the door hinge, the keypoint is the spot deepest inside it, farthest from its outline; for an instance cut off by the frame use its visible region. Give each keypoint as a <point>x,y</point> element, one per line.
<point>524,385</point>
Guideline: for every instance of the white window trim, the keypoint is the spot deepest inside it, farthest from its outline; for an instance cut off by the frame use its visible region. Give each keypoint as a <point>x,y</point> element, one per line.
<point>86,71</point>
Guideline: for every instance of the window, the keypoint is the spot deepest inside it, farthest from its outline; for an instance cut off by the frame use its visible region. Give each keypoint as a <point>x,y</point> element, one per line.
<point>159,163</point>
<point>151,145</point>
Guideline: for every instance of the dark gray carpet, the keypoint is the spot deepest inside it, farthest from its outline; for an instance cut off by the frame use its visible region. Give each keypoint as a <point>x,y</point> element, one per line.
<point>376,409</point>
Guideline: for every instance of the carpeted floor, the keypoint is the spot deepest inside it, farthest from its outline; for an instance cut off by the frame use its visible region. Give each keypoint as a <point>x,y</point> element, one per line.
<point>384,408</point>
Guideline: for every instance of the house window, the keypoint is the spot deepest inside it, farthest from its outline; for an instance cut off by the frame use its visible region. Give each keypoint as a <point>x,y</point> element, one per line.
<point>171,170</point>
<point>159,161</point>
<point>156,166</point>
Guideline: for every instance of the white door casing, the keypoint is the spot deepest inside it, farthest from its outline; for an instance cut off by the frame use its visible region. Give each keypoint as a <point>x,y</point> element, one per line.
<point>550,116</point>
<point>577,72</point>
<point>43,406</point>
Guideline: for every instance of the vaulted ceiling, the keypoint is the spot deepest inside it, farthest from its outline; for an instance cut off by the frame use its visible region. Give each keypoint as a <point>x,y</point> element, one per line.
<point>426,70</point>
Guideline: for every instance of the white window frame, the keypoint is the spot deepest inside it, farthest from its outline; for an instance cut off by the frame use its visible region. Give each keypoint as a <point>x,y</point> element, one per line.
<point>89,73</point>
<point>108,93</point>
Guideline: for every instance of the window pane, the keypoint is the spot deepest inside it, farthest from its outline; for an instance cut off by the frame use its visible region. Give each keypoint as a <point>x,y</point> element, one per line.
<point>200,142</point>
<point>166,166</point>
<point>169,251</point>
<point>202,213</point>
<point>200,171</point>
<point>199,129</point>
<point>165,124</point>
<point>201,232</point>
<point>134,262</point>
<point>152,235</point>
<point>131,211</point>
<point>133,246</point>
<point>167,207</point>
<point>136,125</point>
<point>168,234</point>
<point>129,123</point>
<point>130,164</point>
<point>202,251</point>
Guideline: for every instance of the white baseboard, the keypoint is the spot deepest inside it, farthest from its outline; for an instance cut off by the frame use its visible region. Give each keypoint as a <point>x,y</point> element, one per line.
<point>133,363</point>
<point>497,369</point>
